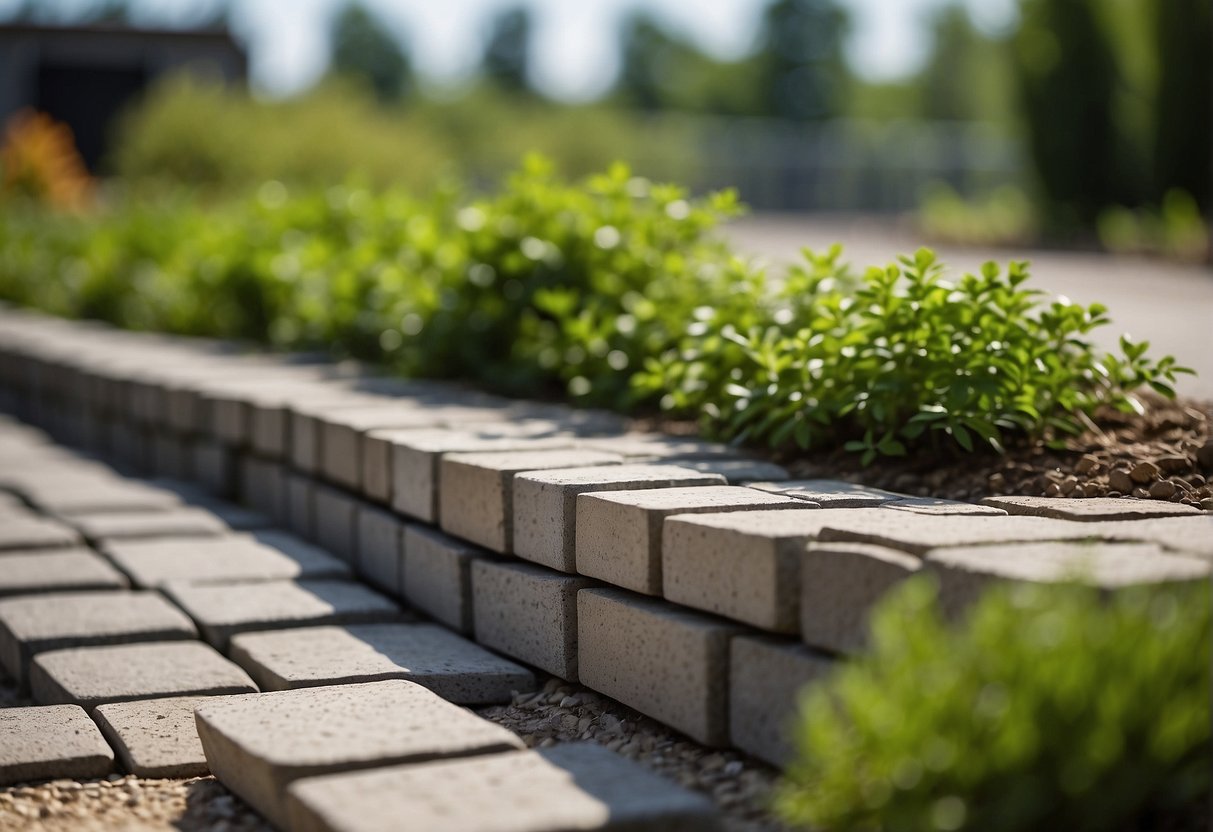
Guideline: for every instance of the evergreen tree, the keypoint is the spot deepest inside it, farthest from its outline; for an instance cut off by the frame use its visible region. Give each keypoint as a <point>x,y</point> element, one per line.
<point>507,53</point>
<point>804,70</point>
<point>363,48</point>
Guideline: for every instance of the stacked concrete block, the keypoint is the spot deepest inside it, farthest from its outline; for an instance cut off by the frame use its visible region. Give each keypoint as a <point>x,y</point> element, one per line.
<point>335,523</point>
<point>380,557</point>
<point>437,575</point>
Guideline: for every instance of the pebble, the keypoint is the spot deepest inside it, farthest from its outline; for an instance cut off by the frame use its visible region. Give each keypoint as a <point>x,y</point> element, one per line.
<point>1087,465</point>
<point>1144,472</point>
<point>1205,455</point>
<point>1207,503</point>
<point>1163,490</point>
<point>1119,480</point>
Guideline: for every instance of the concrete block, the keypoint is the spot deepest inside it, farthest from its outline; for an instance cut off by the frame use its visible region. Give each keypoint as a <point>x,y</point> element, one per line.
<point>619,533</point>
<point>31,624</point>
<point>919,533</point>
<point>545,504</point>
<point>840,585</point>
<point>263,486</point>
<point>767,677</point>
<point>933,505</point>
<point>664,661</point>
<point>176,522</point>
<point>432,656</point>
<point>528,612</point>
<point>25,530</point>
<point>92,676</point>
<point>258,745</point>
<point>380,553</point>
<point>831,493</point>
<point>56,570</point>
<point>336,522</point>
<point>222,610</point>
<point>101,493</point>
<point>344,432</point>
<point>155,737</point>
<point>652,447</point>
<point>1090,510</point>
<point>300,505</point>
<point>214,467</point>
<point>261,556</point>
<point>743,570</point>
<point>737,471</point>
<point>574,786</point>
<point>51,743</point>
<point>172,455</point>
<point>437,575</point>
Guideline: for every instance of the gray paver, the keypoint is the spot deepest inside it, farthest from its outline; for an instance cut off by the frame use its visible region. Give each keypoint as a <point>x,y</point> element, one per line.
<point>380,539</point>
<point>453,667</point>
<point>100,494</point>
<point>155,737</point>
<point>738,471</point>
<point>840,585</point>
<point>662,660</point>
<point>214,466</point>
<point>1096,508</point>
<point>262,556</point>
<point>528,612</point>
<point>32,624</point>
<point>576,786</point>
<point>262,487</point>
<point>831,493</point>
<point>545,504</point>
<point>934,505</point>
<point>222,610</point>
<point>24,530</point>
<point>1186,535</point>
<point>651,447</point>
<point>336,522</point>
<point>91,676</point>
<point>257,745</point>
<point>56,570</point>
<point>437,575</point>
<point>128,525</point>
<point>300,494</point>
<point>343,432</point>
<point>476,490</point>
<point>742,569</point>
<point>619,532</point>
<point>767,677</point>
<point>51,742</point>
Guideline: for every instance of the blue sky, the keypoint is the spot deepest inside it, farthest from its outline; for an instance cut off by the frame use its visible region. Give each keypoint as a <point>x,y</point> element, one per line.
<point>575,45</point>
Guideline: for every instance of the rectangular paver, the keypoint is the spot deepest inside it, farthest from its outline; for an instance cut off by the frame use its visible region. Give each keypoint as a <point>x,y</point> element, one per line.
<point>476,494</point>
<point>662,660</point>
<point>767,677</point>
<point>130,525</point>
<point>619,532</point>
<point>92,676</point>
<point>257,745</point>
<point>56,570</point>
<point>21,529</point>
<point>300,505</point>
<point>545,504</point>
<point>934,505</point>
<point>1089,509</point>
<point>437,575</point>
<point>831,493</point>
<point>380,537</point>
<point>451,666</point>
<point>155,737</point>
<point>336,522</point>
<point>263,487</point>
<point>31,624</point>
<point>528,612</point>
<point>737,471</point>
<point>51,742</point>
<point>222,610</point>
<point>578,786</point>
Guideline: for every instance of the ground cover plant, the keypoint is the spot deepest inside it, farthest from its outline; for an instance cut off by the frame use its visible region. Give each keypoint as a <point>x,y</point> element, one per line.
<point>611,291</point>
<point>1051,708</point>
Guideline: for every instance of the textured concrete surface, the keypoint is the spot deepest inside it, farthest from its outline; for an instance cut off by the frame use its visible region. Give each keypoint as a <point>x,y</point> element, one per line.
<point>830,493</point>
<point>336,522</point>
<point>92,676</point>
<point>56,570</point>
<point>569,787</point>
<point>380,547</point>
<point>54,741</point>
<point>155,737</point>
<point>257,745</point>
<point>437,575</point>
<point>1099,508</point>
<point>24,530</point>
<point>143,524</point>
<point>456,669</point>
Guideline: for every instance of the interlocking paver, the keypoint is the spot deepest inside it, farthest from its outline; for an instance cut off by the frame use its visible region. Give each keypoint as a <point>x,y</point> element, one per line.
<point>262,556</point>
<point>31,624</point>
<point>222,610</point>
<point>737,471</point>
<point>1185,535</point>
<point>767,677</point>
<point>155,737</point>
<point>545,504</point>
<point>830,493</point>
<point>380,539</point>
<point>129,525</point>
<point>22,529</point>
<point>1092,509</point>
<point>56,570</point>
<point>476,493</point>
<point>839,586</point>
<point>101,494</point>
<point>576,786</point>
<point>336,522</point>
<point>453,667</point>
<point>619,532</point>
<point>933,505</point>
<point>528,612</point>
<point>747,569</point>
<point>91,676</point>
<point>257,745</point>
<point>662,660</point>
<point>650,447</point>
<point>437,575</point>
<point>51,742</point>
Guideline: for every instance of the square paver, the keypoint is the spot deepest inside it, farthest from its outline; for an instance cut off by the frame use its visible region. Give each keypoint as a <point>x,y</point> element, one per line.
<point>619,532</point>
<point>437,575</point>
<point>130,525</point>
<point>31,624</point>
<point>56,570</point>
<point>155,737</point>
<point>831,493</point>
<point>1089,510</point>
<point>545,504</point>
<point>22,529</point>
<point>222,610</point>
<point>92,676</point>
<point>262,556</point>
<point>258,745</point>
<point>476,494</point>
<point>51,742</point>
<point>380,539</point>
<point>453,667</point>
<point>574,786</point>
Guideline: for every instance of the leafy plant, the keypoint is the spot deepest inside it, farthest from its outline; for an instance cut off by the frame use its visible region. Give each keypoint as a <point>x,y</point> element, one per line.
<point>1051,708</point>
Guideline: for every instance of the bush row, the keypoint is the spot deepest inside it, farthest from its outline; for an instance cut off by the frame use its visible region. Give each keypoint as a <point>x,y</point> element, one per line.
<point>613,291</point>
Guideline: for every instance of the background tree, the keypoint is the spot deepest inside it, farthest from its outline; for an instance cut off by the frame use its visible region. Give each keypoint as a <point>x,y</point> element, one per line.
<point>507,53</point>
<point>1183,122</point>
<point>363,48</point>
<point>804,72</point>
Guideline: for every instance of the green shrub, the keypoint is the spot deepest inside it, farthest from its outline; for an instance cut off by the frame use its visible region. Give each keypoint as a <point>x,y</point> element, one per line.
<point>1051,708</point>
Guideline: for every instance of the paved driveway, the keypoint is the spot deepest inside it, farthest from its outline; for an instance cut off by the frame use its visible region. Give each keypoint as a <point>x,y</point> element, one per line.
<point>1168,304</point>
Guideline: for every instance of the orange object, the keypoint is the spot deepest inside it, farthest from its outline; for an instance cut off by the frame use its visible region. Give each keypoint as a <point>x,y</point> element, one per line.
<point>38,159</point>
